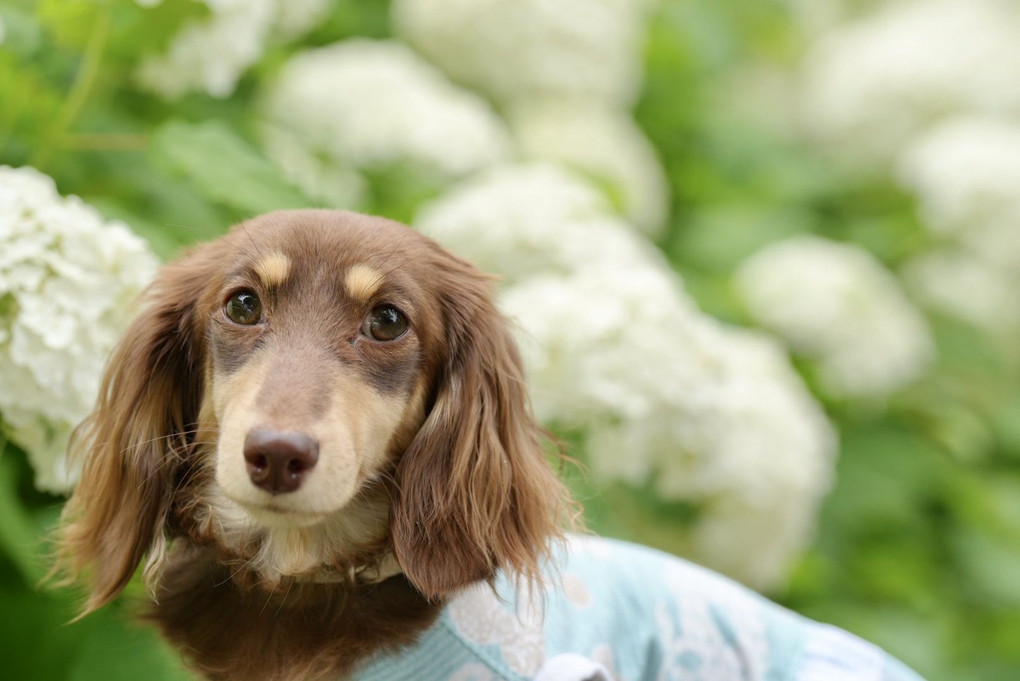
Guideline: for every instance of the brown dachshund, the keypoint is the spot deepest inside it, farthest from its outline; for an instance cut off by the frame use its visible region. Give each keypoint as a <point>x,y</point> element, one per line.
<point>315,432</point>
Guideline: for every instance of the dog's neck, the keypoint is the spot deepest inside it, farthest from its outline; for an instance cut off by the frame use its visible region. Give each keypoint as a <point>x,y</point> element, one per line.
<point>302,629</point>
<point>359,575</point>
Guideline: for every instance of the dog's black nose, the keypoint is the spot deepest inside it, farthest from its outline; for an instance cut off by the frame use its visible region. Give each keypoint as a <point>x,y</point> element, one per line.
<point>277,462</point>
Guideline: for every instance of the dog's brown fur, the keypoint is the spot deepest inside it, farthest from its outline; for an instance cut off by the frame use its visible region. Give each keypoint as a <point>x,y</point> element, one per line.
<point>303,631</point>
<point>464,488</point>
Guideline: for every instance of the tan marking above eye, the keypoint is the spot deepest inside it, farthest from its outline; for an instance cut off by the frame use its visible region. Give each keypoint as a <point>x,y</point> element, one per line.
<point>362,282</point>
<point>273,269</point>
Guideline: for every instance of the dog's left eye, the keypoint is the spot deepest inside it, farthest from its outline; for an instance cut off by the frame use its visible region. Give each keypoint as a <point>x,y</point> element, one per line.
<point>243,307</point>
<point>385,323</point>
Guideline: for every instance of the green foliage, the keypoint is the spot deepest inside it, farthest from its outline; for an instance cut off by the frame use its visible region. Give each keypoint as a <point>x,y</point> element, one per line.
<point>223,168</point>
<point>918,545</point>
<point>133,30</point>
<point>19,538</point>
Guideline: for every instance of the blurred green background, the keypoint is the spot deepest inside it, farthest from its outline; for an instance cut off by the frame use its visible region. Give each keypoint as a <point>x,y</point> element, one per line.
<point>917,546</point>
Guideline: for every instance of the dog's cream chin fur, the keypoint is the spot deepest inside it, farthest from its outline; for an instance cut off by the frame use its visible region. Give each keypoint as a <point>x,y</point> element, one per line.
<point>295,545</point>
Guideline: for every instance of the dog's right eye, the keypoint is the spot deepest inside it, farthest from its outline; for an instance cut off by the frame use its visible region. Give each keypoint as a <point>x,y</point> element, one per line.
<point>385,323</point>
<point>243,307</point>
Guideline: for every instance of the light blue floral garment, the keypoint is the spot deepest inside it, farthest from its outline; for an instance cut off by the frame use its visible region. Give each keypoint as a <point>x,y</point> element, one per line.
<point>623,612</point>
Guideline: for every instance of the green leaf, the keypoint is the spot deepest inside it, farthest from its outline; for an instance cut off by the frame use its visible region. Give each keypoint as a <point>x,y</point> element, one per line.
<point>718,239</point>
<point>913,637</point>
<point>70,22</point>
<point>120,650</point>
<point>224,168</point>
<point>354,18</point>
<point>398,190</point>
<point>29,106</point>
<point>136,30</point>
<point>139,31</point>
<point>35,640</point>
<point>38,642</point>
<point>992,567</point>
<point>885,474</point>
<point>18,539</point>
<point>1007,426</point>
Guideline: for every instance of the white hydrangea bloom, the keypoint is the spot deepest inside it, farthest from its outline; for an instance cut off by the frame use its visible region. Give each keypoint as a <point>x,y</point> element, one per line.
<point>212,54</point>
<point>871,84</point>
<point>966,286</point>
<point>67,278</point>
<point>837,305</point>
<point>531,48</point>
<point>368,104</point>
<point>710,415</point>
<point>613,345</point>
<point>583,334</point>
<point>766,451</point>
<point>604,144</point>
<point>966,174</point>
<point>548,219</point>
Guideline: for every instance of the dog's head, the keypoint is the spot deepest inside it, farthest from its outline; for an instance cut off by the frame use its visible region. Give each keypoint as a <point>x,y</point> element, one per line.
<point>314,392</point>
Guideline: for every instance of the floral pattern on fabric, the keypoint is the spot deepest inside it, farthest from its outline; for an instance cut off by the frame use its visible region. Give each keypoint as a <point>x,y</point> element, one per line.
<point>700,636</point>
<point>480,616</point>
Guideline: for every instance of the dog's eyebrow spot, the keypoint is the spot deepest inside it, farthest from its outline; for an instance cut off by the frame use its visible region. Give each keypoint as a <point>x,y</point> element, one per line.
<point>363,281</point>
<point>273,269</point>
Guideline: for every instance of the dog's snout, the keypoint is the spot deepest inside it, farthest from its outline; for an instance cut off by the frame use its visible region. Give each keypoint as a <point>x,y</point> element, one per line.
<point>278,461</point>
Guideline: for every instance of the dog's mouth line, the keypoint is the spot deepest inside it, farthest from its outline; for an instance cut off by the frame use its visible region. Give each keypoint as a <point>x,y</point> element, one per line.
<point>289,511</point>
<point>274,512</point>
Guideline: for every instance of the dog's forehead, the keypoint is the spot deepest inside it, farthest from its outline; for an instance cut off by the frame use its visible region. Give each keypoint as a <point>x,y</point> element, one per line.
<point>359,250</point>
<point>329,234</point>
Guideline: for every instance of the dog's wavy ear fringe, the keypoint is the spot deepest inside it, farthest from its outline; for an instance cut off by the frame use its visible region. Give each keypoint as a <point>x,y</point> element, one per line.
<point>475,492</point>
<point>133,443</point>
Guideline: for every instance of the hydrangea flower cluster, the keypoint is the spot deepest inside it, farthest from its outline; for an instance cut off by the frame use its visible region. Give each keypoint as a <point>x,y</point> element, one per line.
<point>67,278</point>
<point>965,173</point>
<point>708,414</point>
<point>362,104</point>
<point>929,89</point>
<point>837,305</point>
<point>566,73</point>
<point>548,220</point>
<point>527,49</point>
<point>961,284</point>
<point>212,54</point>
<point>366,104</point>
<point>871,84</point>
<point>602,143</point>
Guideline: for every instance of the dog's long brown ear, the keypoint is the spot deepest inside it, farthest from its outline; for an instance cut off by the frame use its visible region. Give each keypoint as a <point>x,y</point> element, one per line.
<point>475,490</point>
<point>132,444</point>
